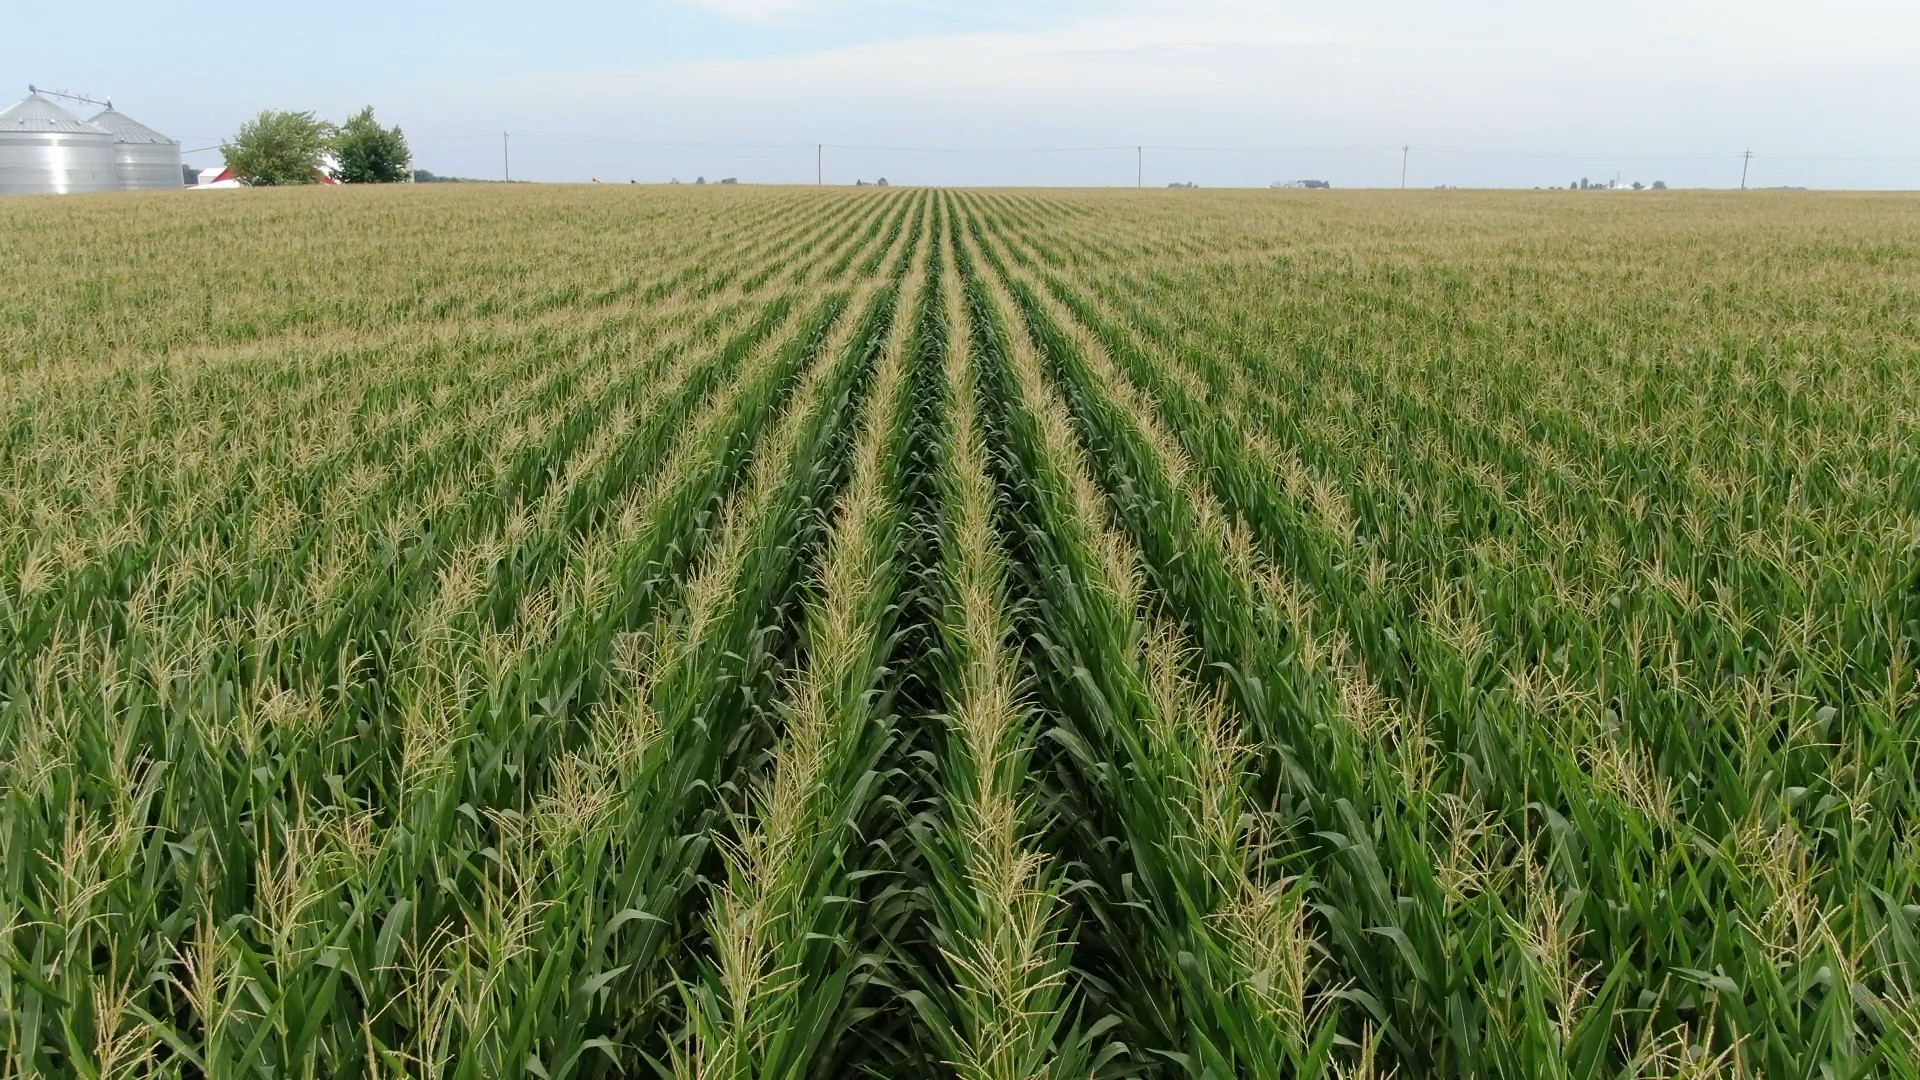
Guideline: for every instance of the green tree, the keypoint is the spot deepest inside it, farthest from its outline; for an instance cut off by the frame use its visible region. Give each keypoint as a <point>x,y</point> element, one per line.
<point>278,147</point>
<point>369,153</point>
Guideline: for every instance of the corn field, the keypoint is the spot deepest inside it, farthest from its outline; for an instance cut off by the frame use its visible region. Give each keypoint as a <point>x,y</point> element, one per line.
<point>790,633</point>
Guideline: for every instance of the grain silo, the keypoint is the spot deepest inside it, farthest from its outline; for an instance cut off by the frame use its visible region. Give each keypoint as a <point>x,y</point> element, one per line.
<point>145,158</point>
<point>44,149</point>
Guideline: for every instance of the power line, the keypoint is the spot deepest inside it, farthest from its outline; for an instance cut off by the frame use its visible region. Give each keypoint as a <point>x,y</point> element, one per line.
<point>669,145</point>
<point>1590,155</point>
<point>1276,149</point>
<point>1139,149</point>
<point>987,149</point>
<point>1821,158</point>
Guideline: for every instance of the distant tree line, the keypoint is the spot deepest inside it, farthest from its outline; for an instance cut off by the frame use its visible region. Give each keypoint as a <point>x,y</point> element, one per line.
<point>281,147</point>
<point>1583,184</point>
<point>423,176</point>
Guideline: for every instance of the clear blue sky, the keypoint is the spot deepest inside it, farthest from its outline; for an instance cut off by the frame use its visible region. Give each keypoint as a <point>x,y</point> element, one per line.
<point>1649,89</point>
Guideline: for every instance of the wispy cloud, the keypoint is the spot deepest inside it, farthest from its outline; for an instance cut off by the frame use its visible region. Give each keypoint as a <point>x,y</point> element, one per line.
<point>1082,60</point>
<point>775,12</point>
<point>1655,77</point>
<point>760,11</point>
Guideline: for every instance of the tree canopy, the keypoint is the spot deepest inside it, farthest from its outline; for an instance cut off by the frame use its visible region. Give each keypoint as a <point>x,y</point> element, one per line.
<point>369,153</point>
<point>278,147</point>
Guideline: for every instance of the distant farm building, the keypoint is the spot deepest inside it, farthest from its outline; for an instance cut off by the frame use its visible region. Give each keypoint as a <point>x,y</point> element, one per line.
<point>221,176</point>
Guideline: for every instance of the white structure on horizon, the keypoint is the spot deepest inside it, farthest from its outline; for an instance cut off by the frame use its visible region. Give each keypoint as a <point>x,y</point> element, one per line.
<point>216,176</point>
<point>222,177</point>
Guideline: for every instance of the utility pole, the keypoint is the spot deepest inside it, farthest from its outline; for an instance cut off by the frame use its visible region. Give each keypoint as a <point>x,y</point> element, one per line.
<point>1403,165</point>
<point>1745,160</point>
<point>820,165</point>
<point>506,159</point>
<point>1139,167</point>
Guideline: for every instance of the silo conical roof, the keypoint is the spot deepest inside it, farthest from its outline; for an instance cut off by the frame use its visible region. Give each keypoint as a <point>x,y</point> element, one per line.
<point>37,115</point>
<point>125,129</point>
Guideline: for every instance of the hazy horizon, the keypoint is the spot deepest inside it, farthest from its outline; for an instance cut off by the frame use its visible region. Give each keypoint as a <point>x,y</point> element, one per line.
<point>1490,93</point>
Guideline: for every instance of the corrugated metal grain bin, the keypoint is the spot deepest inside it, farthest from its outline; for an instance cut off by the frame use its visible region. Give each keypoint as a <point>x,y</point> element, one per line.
<point>44,149</point>
<point>145,159</point>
